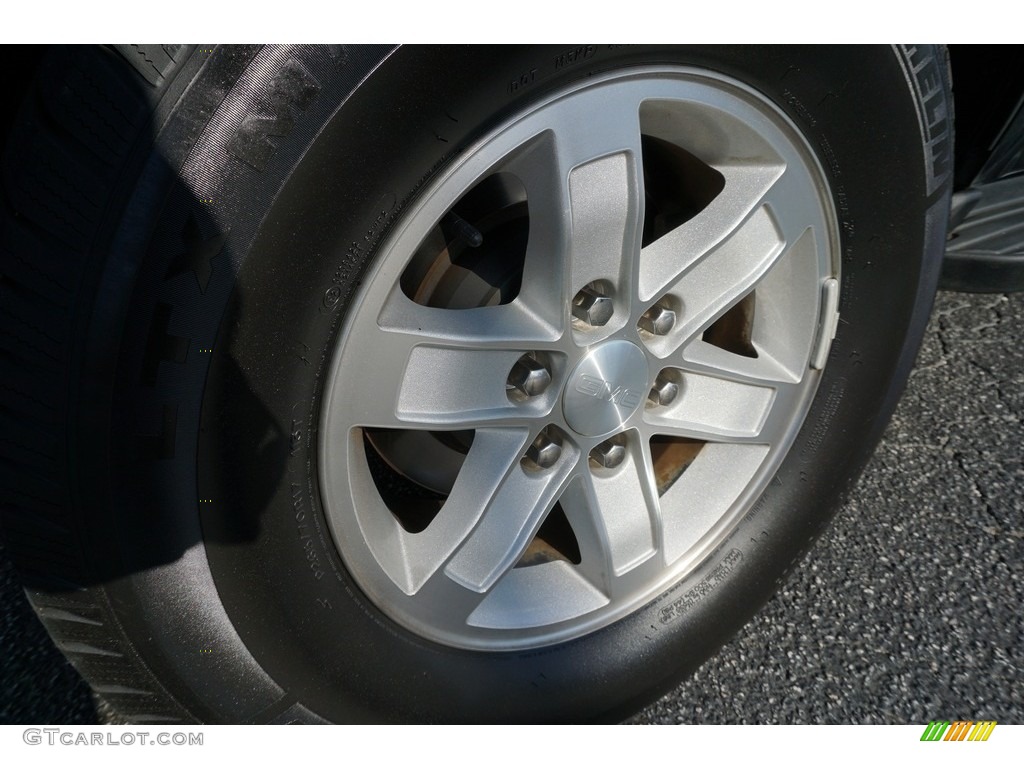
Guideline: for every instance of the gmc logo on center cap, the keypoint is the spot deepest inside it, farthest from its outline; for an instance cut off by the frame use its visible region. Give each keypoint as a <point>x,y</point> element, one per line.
<point>602,390</point>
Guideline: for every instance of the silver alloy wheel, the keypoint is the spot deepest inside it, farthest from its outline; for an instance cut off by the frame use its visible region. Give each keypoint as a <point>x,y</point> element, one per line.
<point>640,377</point>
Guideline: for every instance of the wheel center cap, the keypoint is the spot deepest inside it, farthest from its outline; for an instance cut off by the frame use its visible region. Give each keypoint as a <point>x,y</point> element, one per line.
<point>605,388</point>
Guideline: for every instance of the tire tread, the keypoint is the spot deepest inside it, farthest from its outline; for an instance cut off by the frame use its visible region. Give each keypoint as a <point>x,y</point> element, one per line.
<point>86,111</point>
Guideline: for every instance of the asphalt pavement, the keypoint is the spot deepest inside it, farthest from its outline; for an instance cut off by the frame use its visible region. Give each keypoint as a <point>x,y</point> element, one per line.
<point>910,608</point>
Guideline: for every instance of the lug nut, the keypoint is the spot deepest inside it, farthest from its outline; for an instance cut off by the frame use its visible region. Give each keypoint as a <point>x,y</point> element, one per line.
<point>591,307</point>
<point>664,391</point>
<point>529,376</point>
<point>658,320</point>
<point>609,454</point>
<point>545,450</point>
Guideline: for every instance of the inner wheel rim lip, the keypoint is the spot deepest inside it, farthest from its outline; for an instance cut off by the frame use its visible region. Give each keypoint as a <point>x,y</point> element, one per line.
<point>346,485</point>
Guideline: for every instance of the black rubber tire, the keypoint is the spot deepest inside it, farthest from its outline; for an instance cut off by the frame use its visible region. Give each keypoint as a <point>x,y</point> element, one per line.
<point>181,231</point>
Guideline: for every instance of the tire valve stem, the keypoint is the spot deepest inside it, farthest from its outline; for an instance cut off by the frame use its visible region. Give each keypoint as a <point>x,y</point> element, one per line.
<point>465,231</point>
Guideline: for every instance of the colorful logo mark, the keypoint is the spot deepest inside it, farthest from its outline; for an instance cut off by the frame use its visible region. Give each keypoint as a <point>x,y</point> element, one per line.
<point>960,730</point>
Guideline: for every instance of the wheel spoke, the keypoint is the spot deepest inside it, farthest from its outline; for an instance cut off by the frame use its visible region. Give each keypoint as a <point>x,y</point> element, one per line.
<point>716,409</point>
<point>537,596</point>
<point>462,389</point>
<point>792,210</point>
<point>723,277</point>
<point>726,220</point>
<point>513,511</point>
<point>443,369</point>
<point>615,532</point>
<point>584,181</point>
<point>764,370</point>
<point>724,397</point>
<point>410,559</point>
<point>705,492</point>
<point>607,212</point>
<point>508,325</point>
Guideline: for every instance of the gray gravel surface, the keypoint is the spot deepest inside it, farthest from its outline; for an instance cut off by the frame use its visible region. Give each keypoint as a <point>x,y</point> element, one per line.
<point>910,608</point>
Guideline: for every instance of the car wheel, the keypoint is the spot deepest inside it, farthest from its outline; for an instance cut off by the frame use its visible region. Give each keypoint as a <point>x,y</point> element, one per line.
<point>452,384</point>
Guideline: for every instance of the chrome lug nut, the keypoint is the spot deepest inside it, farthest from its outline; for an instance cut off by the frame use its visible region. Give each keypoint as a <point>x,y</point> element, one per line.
<point>664,391</point>
<point>609,454</point>
<point>545,450</point>
<point>658,320</point>
<point>591,307</point>
<point>529,376</point>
